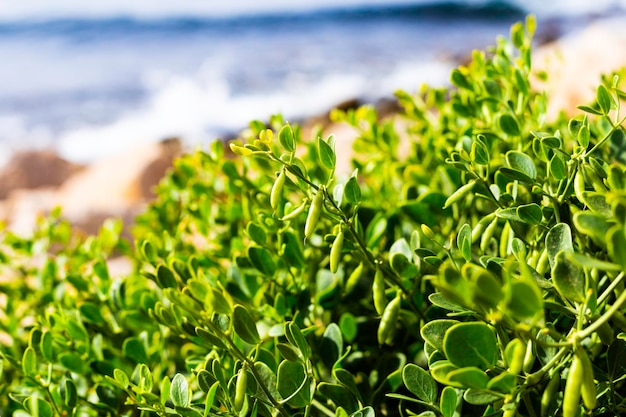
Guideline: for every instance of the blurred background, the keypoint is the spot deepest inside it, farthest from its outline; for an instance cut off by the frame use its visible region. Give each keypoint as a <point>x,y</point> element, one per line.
<point>92,78</point>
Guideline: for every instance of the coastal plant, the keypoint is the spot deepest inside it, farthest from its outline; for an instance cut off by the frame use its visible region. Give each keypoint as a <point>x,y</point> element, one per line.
<point>470,263</point>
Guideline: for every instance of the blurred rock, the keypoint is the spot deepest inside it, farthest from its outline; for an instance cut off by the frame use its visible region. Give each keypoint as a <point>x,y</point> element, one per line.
<point>34,169</point>
<point>113,187</point>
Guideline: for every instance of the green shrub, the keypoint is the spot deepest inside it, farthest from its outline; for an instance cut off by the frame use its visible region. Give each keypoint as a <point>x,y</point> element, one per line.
<point>473,265</point>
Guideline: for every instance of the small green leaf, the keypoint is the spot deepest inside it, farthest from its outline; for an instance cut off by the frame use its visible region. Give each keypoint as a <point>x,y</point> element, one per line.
<point>616,244</point>
<point>349,326</point>
<point>326,154</point>
<point>352,191</point>
<point>530,213</point>
<point>558,169</point>
<point>340,395</point>
<point>262,260</point>
<point>588,109</point>
<point>521,162</point>
<point>256,233</point>
<point>91,312</point>
<point>72,361</point>
<point>448,401</point>
<point>583,136</point>
<point>597,203</point>
<point>470,377</point>
<point>568,278</point>
<point>38,407</point>
<point>558,239</point>
<point>524,301</point>
<point>179,391</point>
<point>480,397</point>
<point>292,384</point>
<point>604,99</point>
<point>505,383</point>
<point>29,362</point>
<point>244,324</point>
<point>287,139</point>
<point>458,79</point>
<point>364,412</point>
<point>420,383</point>
<point>464,241</point>
<point>165,277</point>
<point>346,379</point>
<point>70,393</point>
<point>295,337</point>
<point>509,125</point>
<point>434,331</point>
<point>135,350</point>
<point>267,377</point>
<point>479,153</point>
<point>591,263</point>
<point>331,346</point>
<point>121,377</point>
<point>471,344</point>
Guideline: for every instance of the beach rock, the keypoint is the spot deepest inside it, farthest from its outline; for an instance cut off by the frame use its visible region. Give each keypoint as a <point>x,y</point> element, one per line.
<point>35,169</point>
<point>576,62</point>
<point>119,187</point>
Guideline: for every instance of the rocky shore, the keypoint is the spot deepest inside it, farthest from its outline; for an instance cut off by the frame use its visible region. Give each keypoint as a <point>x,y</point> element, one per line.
<point>34,182</point>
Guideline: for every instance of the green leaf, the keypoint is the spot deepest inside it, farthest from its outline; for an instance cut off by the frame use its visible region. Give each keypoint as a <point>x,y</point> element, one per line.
<point>591,224</point>
<point>464,241</point>
<point>458,79</point>
<point>448,401</point>
<point>121,377</point>
<point>364,412</point>
<point>434,331</point>
<point>326,154</point>
<point>72,361</point>
<point>604,99</point>
<point>331,346</point>
<point>256,233</point>
<point>470,377</point>
<point>29,362</point>
<point>558,239</point>
<point>292,384</point>
<point>530,213</point>
<point>597,203</point>
<point>179,391</point>
<point>352,191</point>
<point>479,153</point>
<point>244,325</point>
<point>521,162</point>
<point>38,407</point>
<point>268,378</point>
<point>211,339</point>
<point>349,326</point>
<point>558,169</point>
<point>70,393</point>
<point>471,344</point>
<point>524,301</point>
<point>508,125</point>
<point>568,278</point>
<point>588,109</point>
<point>591,263</point>
<point>420,383</point>
<point>166,278</point>
<point>583,136</point>
<point>91,312</point>
<point>346,379</point>
<point>505,383</point>
<point>135,350</point>
<point>287,139</point>
<point>295,337</point>
<point>340,395</point>
<point>480,397</point>
<point>616,244</point>
<point>262,260</point>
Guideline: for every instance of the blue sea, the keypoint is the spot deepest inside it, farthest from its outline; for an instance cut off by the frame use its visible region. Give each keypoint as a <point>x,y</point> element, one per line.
<point>93,83</point>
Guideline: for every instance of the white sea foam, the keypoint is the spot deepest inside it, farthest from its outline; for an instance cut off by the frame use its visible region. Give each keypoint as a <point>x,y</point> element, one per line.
<point>199,109</point>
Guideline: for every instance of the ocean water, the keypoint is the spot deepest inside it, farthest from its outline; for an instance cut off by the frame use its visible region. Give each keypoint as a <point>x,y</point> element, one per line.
<point>92,83</point>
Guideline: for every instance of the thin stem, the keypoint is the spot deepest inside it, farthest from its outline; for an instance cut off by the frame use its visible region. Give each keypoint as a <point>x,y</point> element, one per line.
<point>603,319</point>
<point>606,137</point>
<point>607,292</point>
<point>322,408</point>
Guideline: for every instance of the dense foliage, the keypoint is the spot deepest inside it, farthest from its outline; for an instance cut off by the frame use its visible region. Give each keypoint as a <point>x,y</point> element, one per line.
<point>473,265</point>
